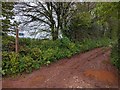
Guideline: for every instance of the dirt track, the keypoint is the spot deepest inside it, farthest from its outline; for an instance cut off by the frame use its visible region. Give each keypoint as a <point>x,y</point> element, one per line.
<point>87,70</point>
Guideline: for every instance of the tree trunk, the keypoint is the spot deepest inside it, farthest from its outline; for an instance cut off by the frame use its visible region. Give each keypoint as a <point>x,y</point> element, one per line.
<point>54,33</point>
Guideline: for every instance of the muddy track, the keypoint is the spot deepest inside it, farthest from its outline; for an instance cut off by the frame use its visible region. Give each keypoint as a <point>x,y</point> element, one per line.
<point>91,69</point>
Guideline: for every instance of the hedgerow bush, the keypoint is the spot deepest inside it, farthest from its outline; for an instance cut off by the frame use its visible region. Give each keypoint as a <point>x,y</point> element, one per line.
<point>10,62</point>
<point>28,62</point>
<point>8,43</point>
<point>115,56</point>
<point>88,44</point>
<point>49,55</point>
<point>34,53</point>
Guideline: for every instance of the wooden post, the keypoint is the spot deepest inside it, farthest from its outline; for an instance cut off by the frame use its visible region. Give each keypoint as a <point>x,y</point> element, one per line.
<point>17,37</point>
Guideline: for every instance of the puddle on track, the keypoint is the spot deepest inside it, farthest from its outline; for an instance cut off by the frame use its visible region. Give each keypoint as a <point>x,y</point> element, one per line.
<point>102,75</point>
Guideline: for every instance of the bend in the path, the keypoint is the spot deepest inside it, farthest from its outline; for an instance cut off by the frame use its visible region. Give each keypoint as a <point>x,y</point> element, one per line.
<point>68,72</point>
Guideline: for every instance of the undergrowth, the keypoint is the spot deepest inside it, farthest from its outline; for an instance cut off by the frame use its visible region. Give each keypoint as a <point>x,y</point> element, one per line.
<point>33,53</point>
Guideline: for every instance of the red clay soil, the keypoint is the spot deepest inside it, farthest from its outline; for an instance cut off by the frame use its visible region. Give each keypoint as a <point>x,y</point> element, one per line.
<point>86,70</point>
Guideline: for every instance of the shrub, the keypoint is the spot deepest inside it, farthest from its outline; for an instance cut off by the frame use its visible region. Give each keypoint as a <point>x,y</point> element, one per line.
<point>8,43</point>
<point>59,53</point>
<point>5,56</point>
<point>45,44</point>
<point>26,64</point>
<point>24,50</point>
<point>64,42</point>
<point>36,53</point>
<point>13,63</point>
<point>72,47</point>
<point>25,41</point>
<point>10,63</point>
<point>33,53</point>
<point>2,71</point>
<point>115,57</point>
<point>36,64</point>
<point>48,55</point>
<point>67,53</point>
<point>87,44</point>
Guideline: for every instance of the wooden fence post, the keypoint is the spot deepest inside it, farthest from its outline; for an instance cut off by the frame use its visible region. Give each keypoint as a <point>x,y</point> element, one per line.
<point>16,41</point>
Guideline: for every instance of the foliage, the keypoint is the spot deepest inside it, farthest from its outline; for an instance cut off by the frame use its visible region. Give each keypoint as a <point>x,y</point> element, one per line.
<point>8,43</point>
<point>89,44</point>
<point>45,52</point>
<point>115,56</point>
<point>48,55</point>
<point>83,26</point>
<point>25,41</point>
<point>8,15</point>
<point>80,23</point>
<point>78,28</point>
<point>10,63</point>
<point>93,20</point>
<point>46,13</point>
<point>107,16</point>
<point>27,62</point>
<point>36,53</point>
<point>13,63</point>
